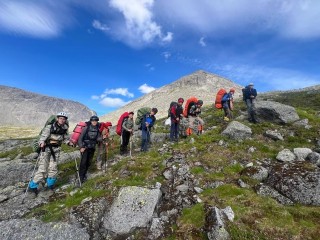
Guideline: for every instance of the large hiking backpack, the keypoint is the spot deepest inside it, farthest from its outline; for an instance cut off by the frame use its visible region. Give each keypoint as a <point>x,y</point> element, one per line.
<point>169,110</point>
<point>120,122</point>
<point>51,120</point>
<point>244,92</point>
<point>77,132</point>
<point>190,102</point>
<point>219,96</point>
<point>141,112</point>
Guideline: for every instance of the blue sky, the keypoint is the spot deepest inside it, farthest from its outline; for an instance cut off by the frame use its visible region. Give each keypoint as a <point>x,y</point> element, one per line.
<point>104,53</point>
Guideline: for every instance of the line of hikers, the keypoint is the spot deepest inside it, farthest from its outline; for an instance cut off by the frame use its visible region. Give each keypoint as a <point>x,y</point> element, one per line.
<point>88,135</point>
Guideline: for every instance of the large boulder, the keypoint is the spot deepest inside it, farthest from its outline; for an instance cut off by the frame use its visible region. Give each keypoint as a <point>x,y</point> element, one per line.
<point>268,191</point>
<point>302,153</point>
<point>255,172</point>
<point>314,158</point>
<point>238,131</point>
<point>14,171</point>
<point>88,215</point>
<point>275,135</point>
<point>286,156</point>
<point>20,229</point>
<point>298,181</point>
<point>216,222</point>
<point>133,208</point>
<point>276,112</point>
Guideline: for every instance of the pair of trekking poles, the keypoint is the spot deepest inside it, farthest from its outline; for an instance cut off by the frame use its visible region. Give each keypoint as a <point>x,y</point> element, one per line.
<point>34,170</point>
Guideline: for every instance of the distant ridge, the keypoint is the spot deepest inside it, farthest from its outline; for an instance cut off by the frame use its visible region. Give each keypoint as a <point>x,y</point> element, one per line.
<point>22,108</point>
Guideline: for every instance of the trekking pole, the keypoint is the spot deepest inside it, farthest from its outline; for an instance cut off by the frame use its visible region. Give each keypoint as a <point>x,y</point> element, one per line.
<point>130,145</point>
<point>106,158</point>
<point>32,175</point>
<point>78,175</point>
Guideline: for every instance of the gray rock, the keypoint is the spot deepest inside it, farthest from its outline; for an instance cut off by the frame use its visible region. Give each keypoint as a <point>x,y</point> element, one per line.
<point>89,215</point>
<point>314,158</point>
<point>298,181</point>
<point>14,208</point>
<point>215,225</point>
<point>286,156</point>
<point>68,157</point>
<point>276,112</point>
<point>274,135</point>
<point>249,165</point>
<point>302,123</point>
<point>251,149</point>
<point>20,229</point>
<point>159,137</point>
<point>198,190</point>
<point>301,153</point>
<point>228,213</point>
<point>267,191</point>
<point>3,198</point>
<point>133,208</point>
<point>156,229</point>
<point>255,172</point>
<point>215,184</point>
<point>168,174</point>
<point>182,188</point>
<point>14,171</point>
<point>238,131</point>
<point>88,199</point>
<point>242,184</point>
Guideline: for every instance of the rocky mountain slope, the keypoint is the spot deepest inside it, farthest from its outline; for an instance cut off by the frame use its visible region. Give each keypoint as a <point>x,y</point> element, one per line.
<point>200,84</point>
<point>22,108</point>
<point>238,180</point>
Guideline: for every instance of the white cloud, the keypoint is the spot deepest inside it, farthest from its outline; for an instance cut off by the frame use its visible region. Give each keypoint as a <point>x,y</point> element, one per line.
<point>139,27</point>
<point>100,26</point>
<point>144,88</point>
<point>29,18</point>
<point>168,37</point>
<point>150,67</point>
<point>290,19</point>
<point>266,77</point>
<point>95,97</point>
<point>118,91</point>
<point>166,55</point>
<point>113,102</point>
<point>202,42</point>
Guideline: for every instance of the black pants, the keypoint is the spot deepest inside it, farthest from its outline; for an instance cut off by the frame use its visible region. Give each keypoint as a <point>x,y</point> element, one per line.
<point>86,159</point>
<point>125,138</point>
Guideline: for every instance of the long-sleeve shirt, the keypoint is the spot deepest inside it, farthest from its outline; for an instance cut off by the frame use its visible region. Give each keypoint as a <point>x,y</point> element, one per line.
<point>54,133</point>
<point>128,124</point>
<point>248,92</point>
<point>195,111</point>
<point>175,112</point>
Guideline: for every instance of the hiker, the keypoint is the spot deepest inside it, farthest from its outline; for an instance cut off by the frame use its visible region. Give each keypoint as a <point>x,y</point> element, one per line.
<point>193,116</point>
<point>88,139</point>
<point>146,125</point>
<point>127,132</point>
<point>51,138</point>
<point>104,131</point>
<point>176,113</point>
<point>227,102</point>
<point>249,96</point>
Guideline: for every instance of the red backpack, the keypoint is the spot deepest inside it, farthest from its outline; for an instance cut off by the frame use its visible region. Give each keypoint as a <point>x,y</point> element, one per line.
<point>120,122</point>
<point>219,96</point>
<point>77,132</point>
<point>190,102</point>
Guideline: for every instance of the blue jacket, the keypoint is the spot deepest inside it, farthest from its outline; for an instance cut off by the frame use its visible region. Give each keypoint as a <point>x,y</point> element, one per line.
<point>248,92</point>
<point>148,118</point>
<point>227,97</point>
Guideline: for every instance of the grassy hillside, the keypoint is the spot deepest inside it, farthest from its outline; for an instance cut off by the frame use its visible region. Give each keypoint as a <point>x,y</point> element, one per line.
<point>256,217</point>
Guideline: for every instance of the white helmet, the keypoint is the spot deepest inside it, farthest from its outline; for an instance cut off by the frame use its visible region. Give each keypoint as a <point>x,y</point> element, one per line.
<point>62,114</point>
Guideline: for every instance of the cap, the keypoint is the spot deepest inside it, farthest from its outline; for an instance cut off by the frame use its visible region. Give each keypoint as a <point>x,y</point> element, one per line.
<point>131,113</point>
<point>180,100</point>
<point>250,84</point>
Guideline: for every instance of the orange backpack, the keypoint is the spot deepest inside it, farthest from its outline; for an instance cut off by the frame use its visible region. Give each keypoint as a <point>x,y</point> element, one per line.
<point>190,102</point>
<point>219,96</point>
